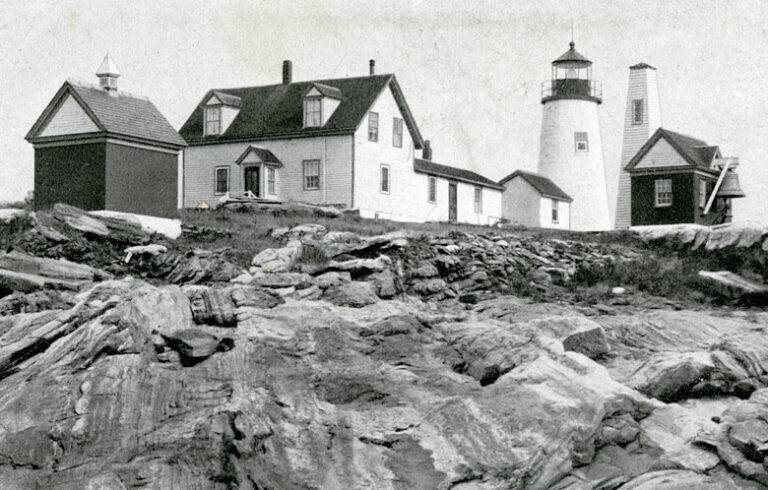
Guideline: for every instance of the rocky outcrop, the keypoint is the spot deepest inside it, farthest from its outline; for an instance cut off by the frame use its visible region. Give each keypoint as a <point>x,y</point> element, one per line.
<point>695,237</point>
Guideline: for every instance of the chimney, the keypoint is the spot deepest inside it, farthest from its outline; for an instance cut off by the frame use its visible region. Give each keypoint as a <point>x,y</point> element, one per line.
<point>108,74</point>
<point>372,67</point>
<point>426,152</point>
<point>287,72</point>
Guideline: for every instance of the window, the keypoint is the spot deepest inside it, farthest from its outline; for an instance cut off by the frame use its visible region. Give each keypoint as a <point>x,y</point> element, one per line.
<point>222,180</point>
<point>311,174</point>
<point>703,194</point>
<point>312,112</point>
<point>384,186</point>
<point>663,192</point>
<point>271,180</point>
<point>212,120</point>
<point>432,192</point>
<point>554,210</point>
<point>581,141</point>
<point>637,111</point>
<point>373,126</point>
<point>478,199</point>
<point>397,132</point>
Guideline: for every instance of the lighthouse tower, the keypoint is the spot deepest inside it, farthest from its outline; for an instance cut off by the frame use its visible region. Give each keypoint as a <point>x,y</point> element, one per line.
<point>571,152</point>
<point>641,119</point>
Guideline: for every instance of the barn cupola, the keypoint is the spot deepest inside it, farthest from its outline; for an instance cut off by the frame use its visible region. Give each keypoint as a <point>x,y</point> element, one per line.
<point>571,79</point>
<point>108,74</point>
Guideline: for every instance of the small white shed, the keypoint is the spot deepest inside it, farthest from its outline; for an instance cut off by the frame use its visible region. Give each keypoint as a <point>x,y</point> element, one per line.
<point>530,199</point>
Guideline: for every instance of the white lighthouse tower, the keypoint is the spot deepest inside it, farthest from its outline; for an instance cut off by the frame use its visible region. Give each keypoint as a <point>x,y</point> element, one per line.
<point>641,119</point>
<point>571,152</point>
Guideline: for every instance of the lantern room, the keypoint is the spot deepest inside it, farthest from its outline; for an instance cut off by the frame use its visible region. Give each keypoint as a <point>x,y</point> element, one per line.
<point>571,79</point>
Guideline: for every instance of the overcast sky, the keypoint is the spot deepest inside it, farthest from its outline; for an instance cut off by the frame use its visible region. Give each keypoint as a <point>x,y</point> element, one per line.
<point>471,70</point>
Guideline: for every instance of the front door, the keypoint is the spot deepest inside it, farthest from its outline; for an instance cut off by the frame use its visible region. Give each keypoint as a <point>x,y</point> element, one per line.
<point>452,203</point>
<point>253,180</point>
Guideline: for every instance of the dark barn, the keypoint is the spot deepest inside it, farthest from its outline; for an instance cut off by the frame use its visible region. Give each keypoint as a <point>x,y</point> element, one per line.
<point>99,148</point>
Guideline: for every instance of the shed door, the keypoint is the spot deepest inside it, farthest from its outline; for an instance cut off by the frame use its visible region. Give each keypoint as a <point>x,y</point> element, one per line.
<point>253,180</point>
<point>452,202</point>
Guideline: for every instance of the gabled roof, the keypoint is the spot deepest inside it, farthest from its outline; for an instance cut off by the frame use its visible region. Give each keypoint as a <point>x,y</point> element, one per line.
<point>326,90</point>
<point>227,99</point>
<point>264,155</point>
<point>439,170</point>
<point>694,151</point>
<point>542,184</point>
<point>572,55</point>
<point>115,113</point>
<point>276,111</point>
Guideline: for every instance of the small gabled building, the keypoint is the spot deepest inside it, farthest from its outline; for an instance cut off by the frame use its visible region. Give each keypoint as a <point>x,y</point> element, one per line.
<point>97,147</point>
<point>672,178</point>
<point>532,200</point>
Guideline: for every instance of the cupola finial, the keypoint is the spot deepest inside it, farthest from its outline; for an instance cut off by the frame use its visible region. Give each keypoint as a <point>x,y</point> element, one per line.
<point>108,73</point>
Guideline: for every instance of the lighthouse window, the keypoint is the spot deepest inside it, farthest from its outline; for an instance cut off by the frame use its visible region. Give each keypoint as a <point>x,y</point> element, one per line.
<point>581,140</point>
<point>663,191</point>
<point>637,111</point>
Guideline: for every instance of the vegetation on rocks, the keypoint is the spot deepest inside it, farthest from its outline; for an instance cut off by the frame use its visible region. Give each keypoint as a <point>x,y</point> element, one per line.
<point>278,350</point>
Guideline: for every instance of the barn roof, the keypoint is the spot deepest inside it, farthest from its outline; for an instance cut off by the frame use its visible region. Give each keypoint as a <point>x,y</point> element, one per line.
<point>439,170</point>
<point>276,111</point>
<point>542,184</point>
<point>115,113</point>
<point>693,150</point>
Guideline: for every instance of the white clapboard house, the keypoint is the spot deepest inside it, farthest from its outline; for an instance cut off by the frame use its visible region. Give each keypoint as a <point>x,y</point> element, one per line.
<point>348,142</point>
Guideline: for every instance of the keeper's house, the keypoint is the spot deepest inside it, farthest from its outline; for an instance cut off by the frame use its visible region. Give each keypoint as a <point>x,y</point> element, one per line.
<point>99,148</point>
<point>348,142</point>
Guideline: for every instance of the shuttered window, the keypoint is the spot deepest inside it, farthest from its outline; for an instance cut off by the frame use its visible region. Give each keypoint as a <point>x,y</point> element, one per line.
<point>385,178</point>
<point>222,180</point>
<point>637,111</point>
<point>311,174</point>
<point>432,192</point>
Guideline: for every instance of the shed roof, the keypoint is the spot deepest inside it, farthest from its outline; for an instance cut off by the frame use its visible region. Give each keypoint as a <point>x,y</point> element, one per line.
<point>695,151</point>
<point>543,185</point>
<point>115,113</point>
<point>440,170</point>
<point>276,111</point>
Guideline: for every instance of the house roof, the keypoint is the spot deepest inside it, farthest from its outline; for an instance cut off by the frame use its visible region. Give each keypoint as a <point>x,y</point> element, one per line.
<point>439,170</point>
<point>542,184</point>
<point>227,99</point>
<point>264,155</point>
<point>572,55</point>
<point>695,151</point>
<point>276,111</point>
<point>115,113</point>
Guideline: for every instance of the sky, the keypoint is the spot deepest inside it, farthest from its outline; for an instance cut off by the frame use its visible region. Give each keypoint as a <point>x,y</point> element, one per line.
<point>471,71</point>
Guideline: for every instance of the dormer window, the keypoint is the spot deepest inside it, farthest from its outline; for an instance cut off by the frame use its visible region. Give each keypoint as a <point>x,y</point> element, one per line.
<point>212,120</point>
<point>320,101</point>
<point>220,110</point>
<point>313,112</point>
